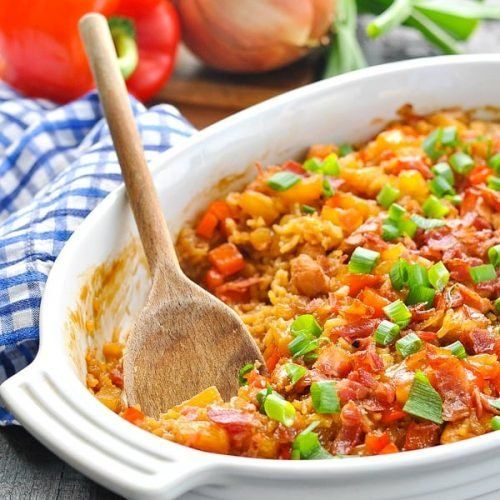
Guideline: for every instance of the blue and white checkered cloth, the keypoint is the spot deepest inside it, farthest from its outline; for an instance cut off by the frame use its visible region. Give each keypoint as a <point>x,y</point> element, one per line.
<point>56,164</point>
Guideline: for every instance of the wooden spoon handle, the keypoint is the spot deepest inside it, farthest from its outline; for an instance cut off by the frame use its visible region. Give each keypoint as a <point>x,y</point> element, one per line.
<point>142,194</point>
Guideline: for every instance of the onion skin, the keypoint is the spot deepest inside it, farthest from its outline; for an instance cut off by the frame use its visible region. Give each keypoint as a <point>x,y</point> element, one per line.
<point>253,36</point>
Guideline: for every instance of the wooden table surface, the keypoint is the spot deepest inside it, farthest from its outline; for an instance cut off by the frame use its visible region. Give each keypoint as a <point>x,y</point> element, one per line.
<point>27,468</point>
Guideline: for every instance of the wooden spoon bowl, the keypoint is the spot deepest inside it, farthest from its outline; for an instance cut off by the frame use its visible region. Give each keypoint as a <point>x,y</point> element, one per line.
<point>185,339</point>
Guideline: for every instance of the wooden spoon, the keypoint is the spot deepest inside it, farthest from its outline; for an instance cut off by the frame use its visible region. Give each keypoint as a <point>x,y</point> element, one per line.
<point>184,340</point>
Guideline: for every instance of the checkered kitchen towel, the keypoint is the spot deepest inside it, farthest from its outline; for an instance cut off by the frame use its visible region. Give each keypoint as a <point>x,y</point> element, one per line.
<point>56,164</point>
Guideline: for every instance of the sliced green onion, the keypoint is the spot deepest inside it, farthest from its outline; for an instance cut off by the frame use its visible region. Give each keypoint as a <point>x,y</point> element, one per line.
<point>307,209</point>
<point>363,260</point>
<point>485,272</point>
<point>438,276</point>
<point>295,372</point>
<point>398,313</point>
<point>432,207</point>
<point>327,189</point>
<point>399,274</point>
<point>457,349</point>
<point>421,295</point>
<point>282,181</point>
<point>494,183</point>
<point>396,212</point>
<point>262,395</point>
<point>244,371</point>
<point>386,332</point>
<point>495,423</point>
<point>494,255</point>
<point>307,324</point>
<point>409,344</point>
<point>425,224</point>
<point>444,170</point>
<point>279,409</point>
<point>324,397</point>
<point>302,344</point>
<point>345,149</point>
<point>496,305</point>
<point>306,445</point>
<point>331,165</point>
<point>424,401</point>
<point>312,165</point>
<point>390,231</point>
<point>495,403</point>
<point>441,187</point>
<point>417,275</point>
<point>494,162</point>
<point>462,163</point>
<point>431,144</point>
<point>407,227</point>
<point>449,136</point>
<point>387,196</point>
<point>454,199</point>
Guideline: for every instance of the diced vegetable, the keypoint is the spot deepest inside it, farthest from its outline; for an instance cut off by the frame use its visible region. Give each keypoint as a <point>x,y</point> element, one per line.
<point>409,344</point>
<point>207,225</point>
<point>345,149</point>
<point>417,276</point>
<point>363,260</point>
<point>457,349</point>
<point>425,224</point>
<point>441,187</point>
<point>306,445</point>
<point>432,207</point>
<point>421,295</point>
<point>307,209</point>
<point>324,397</point>
<point>227,259</point>
<point>399,274</point>
<point>494,255</point>
<point>386,333</point>
<point>462,163</point>
<point>485,272</point>
<point>133,415</point>
<point>494,183</point>
<point>306,324</point>
<point>424,401</point>
<point>279,409</point>
<point>494,163</point>
<point>302,344</point>
<point>495,423</point>
<point>282,181</point>
<point>398,313</point>
<point>438,276</point>
<point>295,372</point>
<point>396,212</point>
<point>388,195</point>
<point>444,170</point>
<point>245,370</point>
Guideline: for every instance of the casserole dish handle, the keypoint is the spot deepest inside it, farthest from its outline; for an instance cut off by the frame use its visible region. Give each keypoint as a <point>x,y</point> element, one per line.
<point>122,458</point>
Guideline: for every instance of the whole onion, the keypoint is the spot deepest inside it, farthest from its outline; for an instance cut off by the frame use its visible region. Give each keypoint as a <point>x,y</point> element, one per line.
<point>250,36</point>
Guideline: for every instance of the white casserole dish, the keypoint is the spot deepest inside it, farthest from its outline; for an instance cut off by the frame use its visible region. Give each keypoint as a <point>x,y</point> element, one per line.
<point>51,401</point>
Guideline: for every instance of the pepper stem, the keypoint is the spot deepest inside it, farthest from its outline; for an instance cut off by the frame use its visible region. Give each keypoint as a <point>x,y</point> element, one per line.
<point>123,34</point>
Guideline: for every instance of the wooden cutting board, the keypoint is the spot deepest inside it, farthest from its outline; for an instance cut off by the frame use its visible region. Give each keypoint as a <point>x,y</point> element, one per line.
<point>205,96</point>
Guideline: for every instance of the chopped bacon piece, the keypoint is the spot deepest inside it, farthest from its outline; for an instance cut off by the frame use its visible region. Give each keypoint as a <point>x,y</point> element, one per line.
<point>375,443</point>
<point>334,362</point>
<point>116,376</point>
<point>421,435</point>
<point>355,329</point>
<point>479,341</point>
<point>350,390</point>
<point>234,421</point>
<point>236,291</point>
<point>473,299</point>
<point>351,430</point>
<point>412,163</point>
<point>369,360</point>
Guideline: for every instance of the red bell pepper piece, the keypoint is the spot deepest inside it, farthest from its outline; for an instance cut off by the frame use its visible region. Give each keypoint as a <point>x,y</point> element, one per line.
<point>227,259</point>
<point>133,415</point>
<point>372,299</point>
<point>44,57</point>
<point>375,443</point>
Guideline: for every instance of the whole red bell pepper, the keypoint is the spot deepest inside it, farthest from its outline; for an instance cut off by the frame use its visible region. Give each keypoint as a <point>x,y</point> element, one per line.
<point>42,54</point>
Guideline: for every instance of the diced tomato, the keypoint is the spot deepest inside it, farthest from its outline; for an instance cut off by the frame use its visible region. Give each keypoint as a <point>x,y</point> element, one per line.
<point>421,435</point>
<point>227,259</point>
<point>357,282</point>
<point>479,174</point>
<point>390,416</point>
<point>213,279</point>
<point>372,299</point>
<point>334,362</point>
<point>133,415</point>
<point>375,443</point>
<point>428,336</point>
<point>207,225</point>
<point>390,448</point>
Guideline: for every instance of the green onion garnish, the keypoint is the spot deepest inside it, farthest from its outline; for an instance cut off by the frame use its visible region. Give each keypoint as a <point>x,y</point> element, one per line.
<point>494,182</point>
<point>424,401</point>
<point>438,276</point>
<point>454,199</point>
<point>387,196</point>
<point>295,372</point>
<point>281,181</point>
<point>494,255</point>
<point>457,349</point>
<point>432,142</point>
<point>306,445</point>
<point>496,305</point>
<point>330,165</point>
<point>398,313</point>
<point>421,295</point>
<point>279,409</point>
<point>441,187</point>
<point>449,136</point>
<point>243,371</point>
<point>409,344</point>
<point>485,272</point>
<point>390,231</point>
<point>324,397</point>
<point>462,163</point>
<point>396,212</point>
<point>345,149</point>
<point>432,207</point>
<point>444,170</point>
<point>302,344</point>
<point>307,324</point>
<point>425,224</point>
<point>407,227</point>
<point>494,163</point>
<point>312,165</point>
<point>363,260</point>
<point>327,189</point>
<point>399,274</point>
<point>417,275</point>
<point>495,423</point>
<point>386,332</point>
<point>307,209</point>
